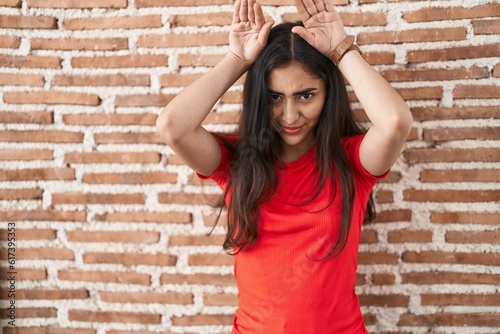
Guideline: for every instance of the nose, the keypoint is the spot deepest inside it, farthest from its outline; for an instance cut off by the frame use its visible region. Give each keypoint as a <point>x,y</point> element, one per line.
<point>290,112</point>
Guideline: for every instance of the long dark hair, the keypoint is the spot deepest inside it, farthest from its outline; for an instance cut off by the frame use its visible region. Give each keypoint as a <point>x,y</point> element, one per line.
<point>258,149</point>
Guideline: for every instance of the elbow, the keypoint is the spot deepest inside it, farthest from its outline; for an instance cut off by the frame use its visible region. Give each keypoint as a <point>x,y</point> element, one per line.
<point>165,126</point>
<point>403,124</point>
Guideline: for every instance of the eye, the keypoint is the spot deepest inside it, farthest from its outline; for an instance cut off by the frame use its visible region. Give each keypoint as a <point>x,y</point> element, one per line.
<point>275,97</point>
<point>306,96</point>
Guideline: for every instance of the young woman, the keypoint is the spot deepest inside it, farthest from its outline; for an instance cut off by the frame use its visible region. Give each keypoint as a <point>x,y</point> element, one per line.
<point>298,174</point>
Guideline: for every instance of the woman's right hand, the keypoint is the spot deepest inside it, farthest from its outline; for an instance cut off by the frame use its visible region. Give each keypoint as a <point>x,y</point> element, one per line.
<point>249,31</point>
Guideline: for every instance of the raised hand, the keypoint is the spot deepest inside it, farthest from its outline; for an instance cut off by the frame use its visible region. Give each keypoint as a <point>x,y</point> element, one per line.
<point>323,28</point>
<point>249,31</point>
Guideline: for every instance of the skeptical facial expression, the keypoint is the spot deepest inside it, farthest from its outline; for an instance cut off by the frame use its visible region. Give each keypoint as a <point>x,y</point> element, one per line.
<point>297,99</point>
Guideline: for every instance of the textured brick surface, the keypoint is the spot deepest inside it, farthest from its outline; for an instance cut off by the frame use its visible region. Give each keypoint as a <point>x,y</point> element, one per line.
<point>111,225</point>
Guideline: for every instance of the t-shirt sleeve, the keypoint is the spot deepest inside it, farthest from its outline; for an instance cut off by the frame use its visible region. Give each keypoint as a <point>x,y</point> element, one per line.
<point>222,174</point>
<point>351,146</point>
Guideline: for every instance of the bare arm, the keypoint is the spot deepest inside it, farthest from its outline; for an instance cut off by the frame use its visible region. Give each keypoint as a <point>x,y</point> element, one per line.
<point>390,116</point>
<point>180,122</point>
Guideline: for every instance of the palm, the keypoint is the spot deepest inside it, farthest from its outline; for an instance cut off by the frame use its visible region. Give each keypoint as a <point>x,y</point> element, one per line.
<point>249,31</point>
<point>244,41</point>
<point>323,27</point>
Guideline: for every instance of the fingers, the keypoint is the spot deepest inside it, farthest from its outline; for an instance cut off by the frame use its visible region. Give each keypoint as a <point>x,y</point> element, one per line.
<point>264,32</point>
<point>259,15</point>
<point>244,11</point>
<point>236,11</point>
<point>304,33</point>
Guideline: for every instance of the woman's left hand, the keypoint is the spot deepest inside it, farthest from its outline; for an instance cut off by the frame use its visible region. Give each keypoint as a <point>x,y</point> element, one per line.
<point>323,28</point>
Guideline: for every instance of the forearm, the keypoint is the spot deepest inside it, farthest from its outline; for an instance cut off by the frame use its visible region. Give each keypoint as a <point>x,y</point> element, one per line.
<point>383,105</point>
<point>189,108</point>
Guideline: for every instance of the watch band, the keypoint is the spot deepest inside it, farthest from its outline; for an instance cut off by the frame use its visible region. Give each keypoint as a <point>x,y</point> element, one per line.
<point>346,45</point>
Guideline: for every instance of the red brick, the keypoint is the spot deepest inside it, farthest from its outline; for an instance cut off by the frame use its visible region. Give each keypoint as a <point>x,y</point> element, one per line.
<point>384,196</point>
<point>220,259</point>
<point>26,274</point>
<point>377,258</point>
<point>51,97</point>
<point>131,259</point>
<point>421,93</point>
<point>177,3</point>
<point>20,194</point>
<point>52,294</point>
<point>222,118</point>
<point>383,279</point>
<point>120,61</point>
<point>102,80</point>
<point>486,259</point>
<point>196,240</point>
<point>412,36</point>
<point>43,215</point>
<point>473,237</point>
<point>379,58</point>
<point>220,300</point>
<point>444,134</point>
<point>183,40</point>
<point>187,60</point>
<point>10,3</point>
<point>426,155</point>
<point>35,117</point>
<point>80,198</point>
<point>146,297</point>
<point>476,92</point>
<point>130,138</point>
<point>190,199</point>
<point>47,329</point>
<point>414,195</point>
<point>83,44</point>
<point>459,299</point>
<point>465,218</point>
<point>461,175</point>
<point>77,4</point>
<point>432,74</point>
<point>200,20</point>
<point>443,277</point>
<point>437,113</point>
<point>28,22</point>
<point>129,178</point>
<point>118,317</point>
<point>149,100</point>
<point>199,279</point>
<point>38,174</point>
<point>13,155</point>
<point>384,300</point>
<point>32,312</point>
<point>122,22</point>
<point>7,79</point>
<point>496,71</point>
<point>145,237</point>
<point>397,215</point>
<point>43,253</point>
<point>450,319</point>
<point>146,217</point>
<point>451,13</point>
<point>369,237</point>
<point>47,136</point>
<point>403,236</point>
<point>104,276</point>
<point>454,53</point>
<point>486,27</point>
<point>30,61</point>
<point>111,157</point>
<point>203,319</point>
<point>9,42</point>
<point>30,234</point>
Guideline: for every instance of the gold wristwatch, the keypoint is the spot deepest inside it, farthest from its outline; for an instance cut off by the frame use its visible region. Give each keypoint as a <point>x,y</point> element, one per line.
<point>346,45</point>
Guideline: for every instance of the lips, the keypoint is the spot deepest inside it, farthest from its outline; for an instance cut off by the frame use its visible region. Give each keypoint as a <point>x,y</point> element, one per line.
<point>291,130</point>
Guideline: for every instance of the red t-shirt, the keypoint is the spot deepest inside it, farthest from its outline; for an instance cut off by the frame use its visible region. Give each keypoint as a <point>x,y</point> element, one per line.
<point>283,286</point>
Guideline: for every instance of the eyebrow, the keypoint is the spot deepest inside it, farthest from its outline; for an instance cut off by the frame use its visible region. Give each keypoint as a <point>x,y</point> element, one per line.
<point>304,91</point>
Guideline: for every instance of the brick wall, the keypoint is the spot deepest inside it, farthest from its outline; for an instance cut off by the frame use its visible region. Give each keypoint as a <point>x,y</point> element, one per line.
<point>110,225</point>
